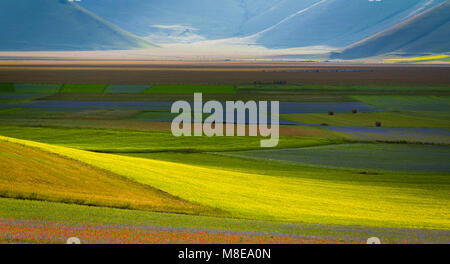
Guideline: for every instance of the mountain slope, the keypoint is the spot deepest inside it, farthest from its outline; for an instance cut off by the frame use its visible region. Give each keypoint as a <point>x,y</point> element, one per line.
<point>338,23</point>
<point>59,25</point>
<point>210,19</point>
<point>427,32</point>
<point>277,12</point>
<point>271,23</point>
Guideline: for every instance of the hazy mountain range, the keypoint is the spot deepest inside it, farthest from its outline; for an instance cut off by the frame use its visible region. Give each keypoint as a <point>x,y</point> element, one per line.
<point>130,24</point>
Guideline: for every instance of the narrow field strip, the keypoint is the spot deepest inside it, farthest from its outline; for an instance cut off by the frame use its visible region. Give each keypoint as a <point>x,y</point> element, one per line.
<point>387,119</point>
<point>56,222</point>
<point>135,141</point>
<point>376,157</point>
<point>53,232</point>
<point>434,57</point>
<point>276,197</point>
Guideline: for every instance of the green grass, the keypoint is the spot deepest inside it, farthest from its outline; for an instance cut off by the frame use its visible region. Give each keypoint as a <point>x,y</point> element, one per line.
<point>37,88</point>
<point>280,198</point>
<point>29,173</point>
<point>13,114</point>
<point>375,157</point>
<point>76,214</point>
<point>280,87</point>
<point>160,115</point>
<point>155,115</point>
<point>189,89</point>
<point>83,88</point>
<point>388,119</point>
<point>114,89</point>
<point>6,88</point>
<point>123,141</point>
<point>30,113</point>
<point>407,103</point>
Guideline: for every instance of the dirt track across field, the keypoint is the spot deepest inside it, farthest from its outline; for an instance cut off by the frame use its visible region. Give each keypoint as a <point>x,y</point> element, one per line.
<point>157,72</point>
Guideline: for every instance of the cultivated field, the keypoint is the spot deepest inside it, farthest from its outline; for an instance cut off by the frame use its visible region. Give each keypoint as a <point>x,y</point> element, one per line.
<point>224,73</point>
<point>363,152</point>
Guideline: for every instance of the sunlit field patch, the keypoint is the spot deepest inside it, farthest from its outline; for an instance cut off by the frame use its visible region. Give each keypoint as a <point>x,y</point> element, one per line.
<point>275,197</point>
<point>424,58</point>
<point>29,173</point>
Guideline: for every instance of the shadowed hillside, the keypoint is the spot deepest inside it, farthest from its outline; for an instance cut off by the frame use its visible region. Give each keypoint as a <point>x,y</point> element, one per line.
<point>271,23</point>
<point>59,25</point>
<point>427,32</point>
<point>339,23</point>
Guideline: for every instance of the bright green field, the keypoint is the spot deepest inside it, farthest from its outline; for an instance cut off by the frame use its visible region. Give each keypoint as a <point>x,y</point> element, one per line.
<point>388,119</point>
<point>117,141</point>
<point>190,89</point>
<point>280,198</point>
<point>83,88</point>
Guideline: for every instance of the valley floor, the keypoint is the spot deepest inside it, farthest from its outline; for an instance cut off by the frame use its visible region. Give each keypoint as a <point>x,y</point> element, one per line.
<point>94,162</point>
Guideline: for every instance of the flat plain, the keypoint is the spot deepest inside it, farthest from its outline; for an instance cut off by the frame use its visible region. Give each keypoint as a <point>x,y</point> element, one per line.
<point>86,147</point>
